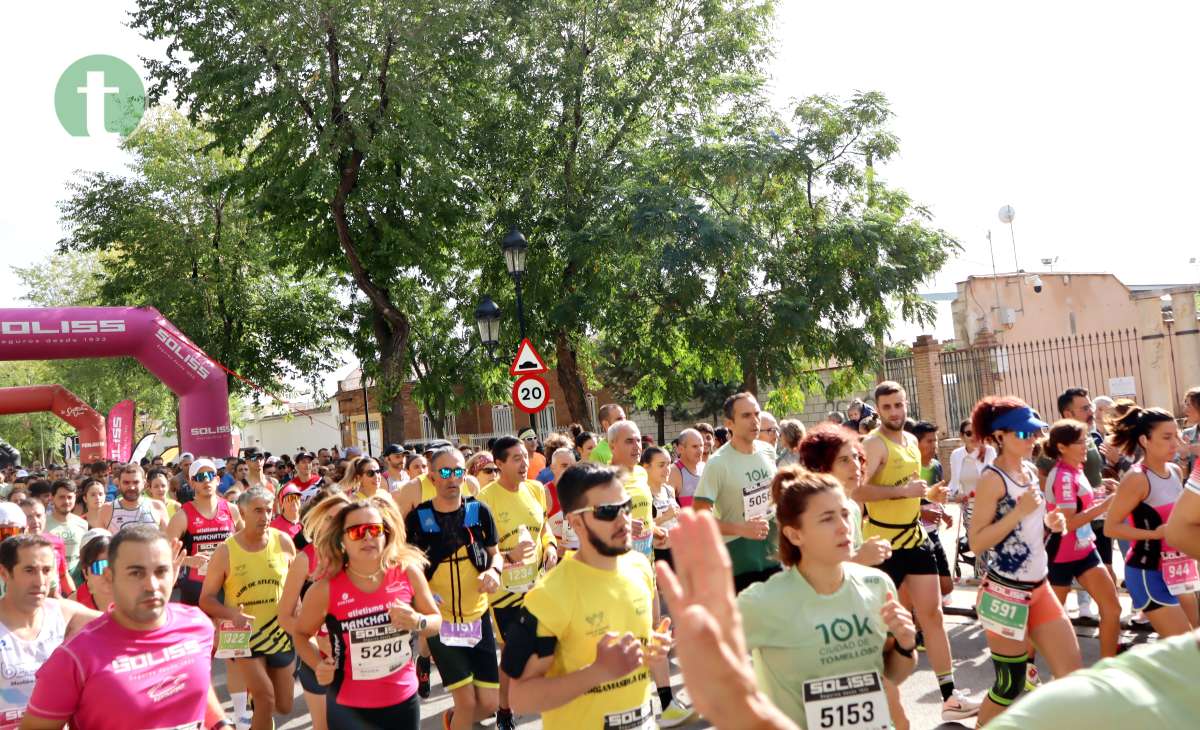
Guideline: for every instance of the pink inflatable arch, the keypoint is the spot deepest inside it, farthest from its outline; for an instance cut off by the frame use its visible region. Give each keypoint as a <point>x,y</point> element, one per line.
<point>139,332</point>
<point>88,423</point>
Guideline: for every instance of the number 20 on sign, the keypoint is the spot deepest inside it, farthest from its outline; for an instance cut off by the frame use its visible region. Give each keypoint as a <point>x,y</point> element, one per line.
<point>530,394</point>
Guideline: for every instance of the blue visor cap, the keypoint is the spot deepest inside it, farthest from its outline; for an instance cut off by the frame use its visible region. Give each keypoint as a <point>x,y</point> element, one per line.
<point>1020,419</point>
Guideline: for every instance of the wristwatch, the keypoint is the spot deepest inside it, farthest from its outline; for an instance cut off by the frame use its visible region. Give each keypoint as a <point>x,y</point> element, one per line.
<point>422,623</point>
<point>906,653</point>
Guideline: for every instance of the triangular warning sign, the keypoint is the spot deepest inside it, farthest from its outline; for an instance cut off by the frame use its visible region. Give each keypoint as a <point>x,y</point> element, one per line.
<point>527,361</point>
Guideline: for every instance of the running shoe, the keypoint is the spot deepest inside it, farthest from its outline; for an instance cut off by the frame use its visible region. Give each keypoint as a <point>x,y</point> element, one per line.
<point>423,670</point>
<point>959,707</point>
<point>505,720</point>
<point>678,712</point>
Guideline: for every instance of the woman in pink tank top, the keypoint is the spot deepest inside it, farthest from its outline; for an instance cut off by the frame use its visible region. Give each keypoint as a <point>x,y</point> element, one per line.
<point>372,603</point>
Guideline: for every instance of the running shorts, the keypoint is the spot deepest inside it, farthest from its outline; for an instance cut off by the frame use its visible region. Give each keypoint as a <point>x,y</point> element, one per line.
<point>1063,574</point>
<point>920,560</point>
<point>1147,589</point>
<point>462,665</point>
<point>939,555</point>
<point>1044,606</point>
<point>403,716</point>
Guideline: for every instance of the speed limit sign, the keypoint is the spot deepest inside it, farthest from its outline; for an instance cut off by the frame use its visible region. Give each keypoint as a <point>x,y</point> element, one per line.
<point>530,393</point>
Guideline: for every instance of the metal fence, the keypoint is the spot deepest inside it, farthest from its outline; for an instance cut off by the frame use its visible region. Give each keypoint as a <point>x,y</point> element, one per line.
<point>1036,372</point>
<point>900,369</point>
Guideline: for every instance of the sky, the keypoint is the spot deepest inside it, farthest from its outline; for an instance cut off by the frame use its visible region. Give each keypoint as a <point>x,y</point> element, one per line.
<point>1079,115</point>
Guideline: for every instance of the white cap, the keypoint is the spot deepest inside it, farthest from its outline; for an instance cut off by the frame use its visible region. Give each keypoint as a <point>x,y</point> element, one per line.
<point>22,473</point>
<point>92,534</point>
<point>199,464</point>
<point>11,514</point>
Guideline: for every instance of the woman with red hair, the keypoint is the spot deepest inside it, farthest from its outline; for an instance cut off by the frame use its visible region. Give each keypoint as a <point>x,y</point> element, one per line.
<point>1016,603</point>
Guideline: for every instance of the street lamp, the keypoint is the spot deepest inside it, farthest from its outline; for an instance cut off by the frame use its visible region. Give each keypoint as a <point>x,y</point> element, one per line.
<point>514,247</point>
<point>487,319</point>
<point>1166,306</point>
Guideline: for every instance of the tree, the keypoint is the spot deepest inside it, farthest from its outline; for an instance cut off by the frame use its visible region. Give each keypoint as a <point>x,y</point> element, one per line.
<point>350,116</point>
<point>176,236</point>
<point>592,90</point>
<point>38,436</point>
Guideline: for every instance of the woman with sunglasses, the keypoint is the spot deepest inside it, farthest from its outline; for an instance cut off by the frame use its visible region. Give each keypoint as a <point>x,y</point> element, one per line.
<point>287,512</point>
<point>1015,602</point>
<point>304,571</point>
<point>368,480</point>
<point>94,592</point>
<point>1160,580</point>
<point>842,618</point>
<point>382,598</point>
<point>1073,555</point>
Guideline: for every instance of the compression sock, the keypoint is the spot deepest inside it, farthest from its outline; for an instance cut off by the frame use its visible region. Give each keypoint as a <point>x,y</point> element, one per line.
<point>946,684</point>
<point>665,696</point>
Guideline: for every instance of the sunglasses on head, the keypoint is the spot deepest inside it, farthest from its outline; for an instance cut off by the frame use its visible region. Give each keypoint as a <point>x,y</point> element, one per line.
<point>446,472</point>
<point>204,476</point>
<point>366,529</point>
<point>607,512</point>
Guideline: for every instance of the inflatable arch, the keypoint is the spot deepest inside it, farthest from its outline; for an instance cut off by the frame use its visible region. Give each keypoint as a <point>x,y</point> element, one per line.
<point>88,422</point>
<point>64,333</point>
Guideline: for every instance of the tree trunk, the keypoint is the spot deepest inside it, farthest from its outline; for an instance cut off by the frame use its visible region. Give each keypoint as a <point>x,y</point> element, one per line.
<point>660,416</point>
<point>750,375</point>
<point>571,382</point>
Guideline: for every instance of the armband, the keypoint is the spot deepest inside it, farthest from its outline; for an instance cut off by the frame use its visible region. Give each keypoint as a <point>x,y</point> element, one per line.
<point>522,643</point>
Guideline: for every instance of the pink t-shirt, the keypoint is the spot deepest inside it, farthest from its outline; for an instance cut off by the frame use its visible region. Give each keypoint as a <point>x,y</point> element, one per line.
<point>374,659</point>
<point>108,675</point>
<point>1067,486</point>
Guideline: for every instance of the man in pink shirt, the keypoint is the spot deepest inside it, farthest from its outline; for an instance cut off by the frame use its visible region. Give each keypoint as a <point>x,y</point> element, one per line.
<point>146,659</point>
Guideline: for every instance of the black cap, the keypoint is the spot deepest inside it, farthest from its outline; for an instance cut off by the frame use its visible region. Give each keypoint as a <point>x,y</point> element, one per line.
<point>303,455</point>
<point>393,449</point>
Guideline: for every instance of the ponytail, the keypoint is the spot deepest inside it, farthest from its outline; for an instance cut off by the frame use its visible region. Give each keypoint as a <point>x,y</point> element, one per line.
<point>1133,424</point>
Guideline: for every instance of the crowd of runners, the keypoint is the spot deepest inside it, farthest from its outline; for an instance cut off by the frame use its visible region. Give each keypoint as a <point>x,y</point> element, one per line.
<point>792,574</point>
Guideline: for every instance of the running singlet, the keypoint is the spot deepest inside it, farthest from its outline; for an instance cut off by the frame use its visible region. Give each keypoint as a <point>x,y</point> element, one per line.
<point>108,675</point>
<point>255,582</point>
<point>688,483</point>
<point>373,657</point>
<point>121,517</point>
<point>1068,486</point>
<point>1021,555</point>
<point>896,519</point>
<point>526,506</point>
<point>204,534</point>
<point>286,526</point>
<point>1152,513</point>
<point>21,659</point>
<point>826,636</point>
<point>576,604</point>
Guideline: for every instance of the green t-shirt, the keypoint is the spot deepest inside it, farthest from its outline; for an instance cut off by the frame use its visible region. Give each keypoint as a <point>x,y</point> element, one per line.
<point>1152,686</point>
<point>795,634</point>
<point>731,478</point>
<point>602,453</point>
<point>71,533</point>
<point>856,538</point>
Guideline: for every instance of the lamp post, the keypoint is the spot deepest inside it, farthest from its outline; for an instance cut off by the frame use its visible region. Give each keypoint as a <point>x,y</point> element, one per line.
<point>487,319</point>
<point>515,247</point>
<point>1166,305</point>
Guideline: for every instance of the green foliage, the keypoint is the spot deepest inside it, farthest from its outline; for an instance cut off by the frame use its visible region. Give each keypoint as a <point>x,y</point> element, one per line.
<point>177,237</point>
<point>38,436</point>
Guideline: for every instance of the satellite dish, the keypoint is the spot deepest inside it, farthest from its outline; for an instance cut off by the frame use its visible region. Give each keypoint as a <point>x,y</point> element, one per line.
<point>1007,213</point>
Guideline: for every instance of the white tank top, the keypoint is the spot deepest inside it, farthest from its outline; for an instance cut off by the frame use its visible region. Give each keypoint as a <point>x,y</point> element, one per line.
<point>688,480</point>
<point>122,517</point>
<point>20,660</point>
<point>1021,555</point>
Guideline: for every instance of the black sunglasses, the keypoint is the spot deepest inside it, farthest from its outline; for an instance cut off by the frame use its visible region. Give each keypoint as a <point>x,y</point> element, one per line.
<point>370,472</point>
<point>607,512</point>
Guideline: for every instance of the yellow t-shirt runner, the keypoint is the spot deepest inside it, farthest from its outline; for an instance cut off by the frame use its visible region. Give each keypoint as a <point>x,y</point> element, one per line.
<point>641,508</point>
<point>254,581</point>
<point>525,506</point>
<point>896,519</point>
<point>577,604</point>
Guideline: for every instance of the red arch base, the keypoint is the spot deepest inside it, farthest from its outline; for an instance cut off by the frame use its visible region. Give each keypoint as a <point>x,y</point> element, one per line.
<point>88,423</point>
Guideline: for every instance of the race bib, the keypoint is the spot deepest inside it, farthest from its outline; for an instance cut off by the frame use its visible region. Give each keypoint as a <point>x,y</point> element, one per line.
<point>756,501</point>
<point>639,718</point>
<point>232,642</point>
<point>204,548</point>
<point>468,634</point>
<point>1003,610</point>
<point>379,651</point>
<point>645,546</point>
<point>848,701</point>
<point>1084,536</point>
<point>1180,574</point>
<point>570,540</point>
<point>518,578</point>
